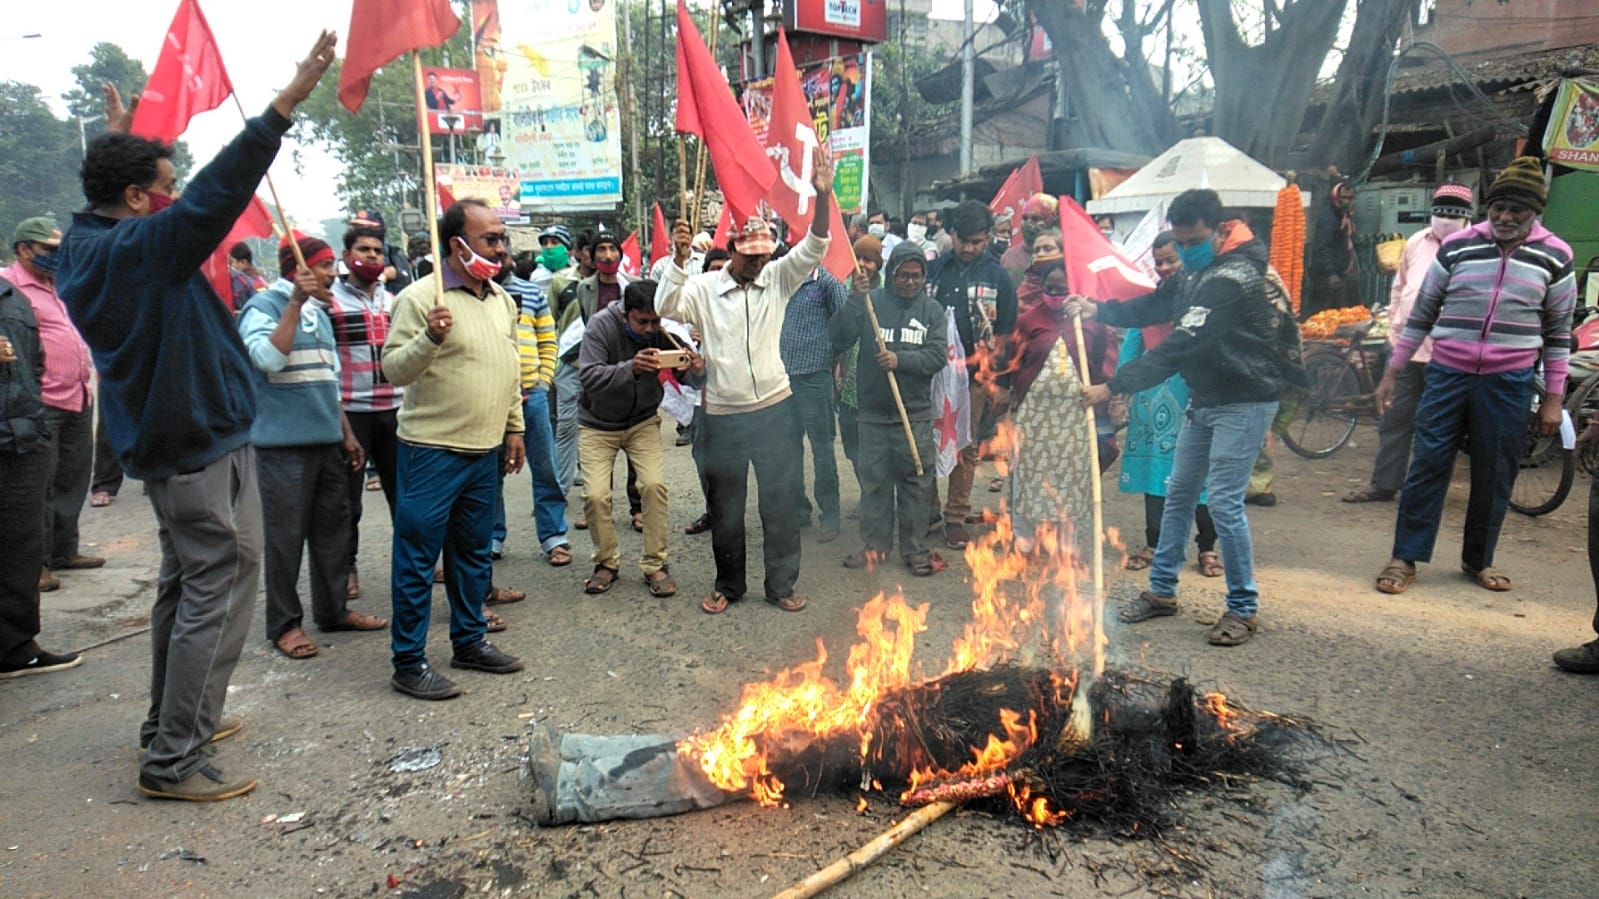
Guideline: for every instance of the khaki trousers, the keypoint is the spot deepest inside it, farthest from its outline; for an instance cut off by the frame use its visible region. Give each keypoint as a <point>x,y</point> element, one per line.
<point>596,452</point>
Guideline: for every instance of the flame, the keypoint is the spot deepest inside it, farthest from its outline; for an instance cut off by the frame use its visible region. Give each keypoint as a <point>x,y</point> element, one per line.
<point>1035,809</point>
<point>1216,704</point>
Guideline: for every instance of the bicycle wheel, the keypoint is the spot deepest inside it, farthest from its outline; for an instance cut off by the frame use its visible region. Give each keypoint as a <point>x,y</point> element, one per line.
<point>1546,472</point>
<point>1326,415</point>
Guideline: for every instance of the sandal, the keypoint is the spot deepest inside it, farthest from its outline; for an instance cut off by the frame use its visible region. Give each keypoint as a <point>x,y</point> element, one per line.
<point>715,604</point>
<point>638,522</point>
<point>1140,560</point>
<point>1209,564</point>
<point>356,621</point>
<point>101,499</point>
<point>1370,495</point>
<point>559,555</point>
<point>1231,630</point>
<point>699,525</point>
<point>294,644</point>
<point>920,565</point>
<point>1395,579</point>
<point>600,581</point>
<point>374,483</point>
<point>790,603</point>
<point>352,587</point>
<point>1487,578</point>
<point>660,582</point>
<point>494,622</point>
<point>581,524</point>
<point>1147,606</point>
<point>499,596</point>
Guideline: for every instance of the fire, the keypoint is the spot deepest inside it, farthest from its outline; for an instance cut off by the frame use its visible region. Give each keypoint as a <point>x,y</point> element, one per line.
<point>1216,704</point>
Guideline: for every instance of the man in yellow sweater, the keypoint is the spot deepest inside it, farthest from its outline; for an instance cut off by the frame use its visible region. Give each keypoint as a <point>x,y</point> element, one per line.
<point>453,347</point>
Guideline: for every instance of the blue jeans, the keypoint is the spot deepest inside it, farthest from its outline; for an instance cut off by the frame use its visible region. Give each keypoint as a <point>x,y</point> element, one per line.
<point>445,500</point>
<point>813,407</point>
<point>549,500</point>
<point>1216,448</point>
<point>1491,412</point>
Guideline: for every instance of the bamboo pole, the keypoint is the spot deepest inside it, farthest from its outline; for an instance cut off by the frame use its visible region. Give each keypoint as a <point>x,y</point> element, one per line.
<point>1097,490</point>
<point>842,869</point>
<point>430,193</point>
<point>277,207</point>
<point>893,382</point>
<point>683,211</point>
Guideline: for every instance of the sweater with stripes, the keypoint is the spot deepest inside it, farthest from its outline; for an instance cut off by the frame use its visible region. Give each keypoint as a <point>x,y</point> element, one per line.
<point>535,333</point>
<point>297,393</point>
<point>1489,311</point>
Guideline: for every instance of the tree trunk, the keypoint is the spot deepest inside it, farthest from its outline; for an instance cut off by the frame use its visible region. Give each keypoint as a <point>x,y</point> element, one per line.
<point>1116,103</point>
<point>1344,135</point>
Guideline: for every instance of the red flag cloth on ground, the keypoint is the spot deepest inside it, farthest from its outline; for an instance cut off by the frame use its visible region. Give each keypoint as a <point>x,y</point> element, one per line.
<point>189,78</point>
<point>790,141</point>
<point>705,107</point>
<point>380,30</point>
<point>630,256</point>
<point>1095,267</point>
<point>255,222</point>
<point>1022,183</point>
<point>724,227</point>
<point>660,238</point>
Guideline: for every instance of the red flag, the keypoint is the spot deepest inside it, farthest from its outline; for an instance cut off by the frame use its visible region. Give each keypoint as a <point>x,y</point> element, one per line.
<point>724,227</point>
<point>380,30</point>
<point>255,222</point>
<point>1095,267</point>
<point>189,78</point>
<point>1022,183</point>
<point>705,107</point>
<point>660,238</point>
<point>630,256</point>
<point>790,141</point>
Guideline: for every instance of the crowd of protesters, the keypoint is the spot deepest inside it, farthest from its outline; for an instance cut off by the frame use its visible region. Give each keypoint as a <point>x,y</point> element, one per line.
<point>257,421</point>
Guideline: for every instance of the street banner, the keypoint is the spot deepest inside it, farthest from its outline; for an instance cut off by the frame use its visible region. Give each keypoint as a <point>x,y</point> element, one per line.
<point>1571,138</point>
<point>552,75</point>
<point>454,105</point>
<point>497,186</point>
<point>838,91</point>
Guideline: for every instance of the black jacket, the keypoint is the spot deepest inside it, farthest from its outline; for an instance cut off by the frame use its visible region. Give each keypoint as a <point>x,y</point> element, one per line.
<point>21,407</point>
<point>979,288</point>
<point>1226,339</point>
<point>1329,246</point>
<point>914,330</point>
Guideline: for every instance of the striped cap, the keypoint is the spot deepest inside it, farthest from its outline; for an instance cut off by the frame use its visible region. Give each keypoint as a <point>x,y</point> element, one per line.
<point>1453,201</point>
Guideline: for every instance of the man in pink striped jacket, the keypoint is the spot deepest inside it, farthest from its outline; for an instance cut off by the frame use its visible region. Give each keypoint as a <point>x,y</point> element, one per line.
<point>1496,302</point>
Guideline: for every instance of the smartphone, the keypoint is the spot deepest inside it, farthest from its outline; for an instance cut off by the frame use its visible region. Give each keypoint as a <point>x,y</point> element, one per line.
<point>673,358</point>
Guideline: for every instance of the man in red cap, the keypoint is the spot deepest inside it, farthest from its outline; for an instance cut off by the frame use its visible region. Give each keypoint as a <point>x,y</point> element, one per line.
<point>304,448</point>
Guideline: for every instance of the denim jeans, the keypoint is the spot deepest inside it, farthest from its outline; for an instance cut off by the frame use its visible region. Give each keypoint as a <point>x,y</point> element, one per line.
<point>1491,412</point>
<point>549,500</point>
<point>1216,448</point>
<point>813,407</point>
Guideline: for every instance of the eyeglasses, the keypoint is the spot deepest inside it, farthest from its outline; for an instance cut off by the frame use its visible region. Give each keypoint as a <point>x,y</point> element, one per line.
<point>909,277</point>
<point>494,240</point>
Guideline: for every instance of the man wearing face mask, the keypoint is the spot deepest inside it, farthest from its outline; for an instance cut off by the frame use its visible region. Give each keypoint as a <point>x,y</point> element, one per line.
<point>937,232</point>
<point>1040,213</point>
<point>877,226</point>
<point>1496,301</point>
<point>594,294</point>
<point>305,450</point>
<point>456,357</point>
<point>177,398</point>
<point>1452,206</point>
<point>68,399</point>
<point>1224,342</point>
<point>916,236</point>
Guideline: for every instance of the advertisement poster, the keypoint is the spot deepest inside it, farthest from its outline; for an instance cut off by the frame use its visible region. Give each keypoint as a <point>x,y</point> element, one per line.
<point>454,106</point>
<point>861,20</point>
<point>839,91</point>
<point>548,69</point>
<point>495,185</point>
<point>1572,136</point>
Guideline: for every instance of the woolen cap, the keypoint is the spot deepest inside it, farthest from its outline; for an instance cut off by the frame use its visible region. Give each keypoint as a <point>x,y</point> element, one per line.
<point>1453,201</point>
<point>311,248</point>
<point>39,229</point>
<point>1521,182</point>
<point>560,233</point>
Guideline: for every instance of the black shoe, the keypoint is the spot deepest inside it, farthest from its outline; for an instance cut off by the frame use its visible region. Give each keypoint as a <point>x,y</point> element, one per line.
<point>1265,500</point>
<point>484,657</point>
<point>39,664</point>
<point>1582,659</point>
<point>424,683</point>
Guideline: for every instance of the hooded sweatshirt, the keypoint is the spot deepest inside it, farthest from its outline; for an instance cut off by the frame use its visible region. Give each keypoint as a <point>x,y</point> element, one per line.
<point>915,330</point>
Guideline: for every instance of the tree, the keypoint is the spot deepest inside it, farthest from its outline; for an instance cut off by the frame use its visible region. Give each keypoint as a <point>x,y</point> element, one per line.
<point>86,102</point>
<point>38,159</point>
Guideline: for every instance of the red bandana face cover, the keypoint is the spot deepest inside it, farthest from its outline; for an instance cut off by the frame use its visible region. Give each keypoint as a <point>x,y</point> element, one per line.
<point>479,267</point>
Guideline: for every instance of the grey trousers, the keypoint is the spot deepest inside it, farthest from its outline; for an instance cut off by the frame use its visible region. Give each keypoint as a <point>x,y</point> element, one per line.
<point>567,390</point>
<point>891,491</point>
<point>209,524</point>
<point>305,505</point>
<point>71,464</point>
<point>1397,428</point>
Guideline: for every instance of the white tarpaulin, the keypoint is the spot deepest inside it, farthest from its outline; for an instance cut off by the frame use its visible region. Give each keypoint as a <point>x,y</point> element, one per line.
<point>1196,162</point>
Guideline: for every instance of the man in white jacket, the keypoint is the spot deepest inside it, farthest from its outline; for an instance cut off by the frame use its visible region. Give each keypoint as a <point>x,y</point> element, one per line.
<point>749,418</point>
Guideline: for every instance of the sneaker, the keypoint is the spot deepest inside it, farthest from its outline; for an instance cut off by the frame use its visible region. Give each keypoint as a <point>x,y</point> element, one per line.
<point>424,683</point>
<point>1582,659</point>
<point>39,664</point>
<point>955,536</point>
<point>209,783</point>
<point>484,657</point>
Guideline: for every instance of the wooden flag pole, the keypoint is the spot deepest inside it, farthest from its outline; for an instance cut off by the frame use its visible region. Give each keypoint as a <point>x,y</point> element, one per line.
<point>277,206</point>
<point>840,870</point>
<point>1097,490</point>
<point>430,193</point>
<point>683,210</point>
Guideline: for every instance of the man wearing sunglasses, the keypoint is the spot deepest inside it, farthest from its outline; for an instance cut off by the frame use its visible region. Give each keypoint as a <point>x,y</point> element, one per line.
<point>1496,302</point>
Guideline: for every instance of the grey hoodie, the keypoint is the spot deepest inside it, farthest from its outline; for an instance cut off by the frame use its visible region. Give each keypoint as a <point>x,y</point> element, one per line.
<point>914,330</point>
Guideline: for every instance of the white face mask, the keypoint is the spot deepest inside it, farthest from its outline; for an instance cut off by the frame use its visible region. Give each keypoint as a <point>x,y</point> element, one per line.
<point>877,230</point>
<point>916,233</point>
<point>1443,226</point>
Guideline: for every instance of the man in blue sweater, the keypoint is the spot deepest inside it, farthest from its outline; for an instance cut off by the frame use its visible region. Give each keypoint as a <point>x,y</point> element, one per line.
<point>177,399</point>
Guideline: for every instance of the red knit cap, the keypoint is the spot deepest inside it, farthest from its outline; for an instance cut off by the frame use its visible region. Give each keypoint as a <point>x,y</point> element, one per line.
<point>313,250</point>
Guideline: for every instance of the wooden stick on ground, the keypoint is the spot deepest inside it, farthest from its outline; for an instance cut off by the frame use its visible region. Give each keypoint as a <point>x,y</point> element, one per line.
<point>893,384</point>
<point>842,869</point>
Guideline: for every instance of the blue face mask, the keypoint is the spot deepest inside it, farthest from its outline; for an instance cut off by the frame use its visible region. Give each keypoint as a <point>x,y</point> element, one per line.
<point>1197,256</point>
<point>46,262</point>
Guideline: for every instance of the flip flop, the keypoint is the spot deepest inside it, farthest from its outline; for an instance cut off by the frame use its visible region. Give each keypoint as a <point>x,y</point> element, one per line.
<point>638,522</point>
<point>715,604</point>
<point>101,499</point>
<point>600,581</point>
<point>356,621</point>
<point>300,647</point>
<point>790,603</point>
